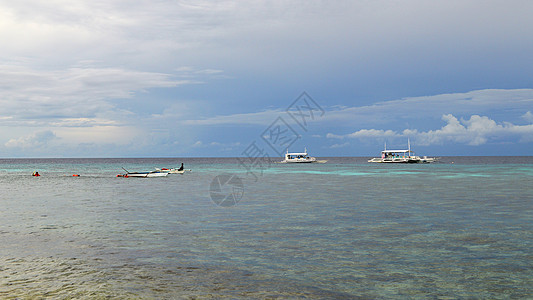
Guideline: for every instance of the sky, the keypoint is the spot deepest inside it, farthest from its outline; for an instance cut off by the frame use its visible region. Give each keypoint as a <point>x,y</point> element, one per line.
<point>162,78</point>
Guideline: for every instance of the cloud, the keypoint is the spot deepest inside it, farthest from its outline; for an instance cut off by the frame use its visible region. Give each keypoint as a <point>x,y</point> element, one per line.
<point>35,140</point>
<point>372,133</point>
<point>82,122</point>
<point>477,130</point>
<point>432,107</point>
<point>152,33</point>
<point>528,117</point>
<point>196,75</point>
<point>334,146</point>
<point>334,136</point>
<point>220,147</point>
<point>257,118</point>
<point>98,134</point>
<point>412,108</point>
<point>72,97</point>
<point>109,64</point>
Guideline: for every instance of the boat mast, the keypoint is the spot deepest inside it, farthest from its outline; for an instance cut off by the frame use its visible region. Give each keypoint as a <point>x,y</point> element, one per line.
<point>408,147</point>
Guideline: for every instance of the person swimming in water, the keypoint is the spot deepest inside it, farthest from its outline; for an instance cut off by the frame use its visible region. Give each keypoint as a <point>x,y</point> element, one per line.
<point>35,174</point>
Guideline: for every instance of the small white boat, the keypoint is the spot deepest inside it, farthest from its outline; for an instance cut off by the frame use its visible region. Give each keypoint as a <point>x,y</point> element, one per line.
<point>300,157</point>
<point>426,159</point>
<point>401,156</point>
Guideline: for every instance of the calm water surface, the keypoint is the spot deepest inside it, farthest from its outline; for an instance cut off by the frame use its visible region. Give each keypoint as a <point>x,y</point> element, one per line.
<point>460,228</point>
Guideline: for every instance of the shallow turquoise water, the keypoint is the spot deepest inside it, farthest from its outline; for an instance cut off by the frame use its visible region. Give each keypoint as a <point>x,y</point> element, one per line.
<point>344,229</point>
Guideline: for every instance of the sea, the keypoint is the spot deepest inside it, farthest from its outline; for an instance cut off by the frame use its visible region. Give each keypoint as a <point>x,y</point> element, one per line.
<point>460,228</point>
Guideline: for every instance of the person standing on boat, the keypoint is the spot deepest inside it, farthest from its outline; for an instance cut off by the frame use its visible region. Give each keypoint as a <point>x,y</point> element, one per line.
<point>181,168</point>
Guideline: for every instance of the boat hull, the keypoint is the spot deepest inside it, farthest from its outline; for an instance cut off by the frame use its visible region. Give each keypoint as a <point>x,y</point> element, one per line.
<point>173,171</point>
<point>302,161</point>
<point>146,174</point>
<point>396,160</point>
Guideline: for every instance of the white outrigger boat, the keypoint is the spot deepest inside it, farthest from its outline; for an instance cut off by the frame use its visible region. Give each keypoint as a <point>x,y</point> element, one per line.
<point>401,156</point>
<point>157,173</point>
<point>300,157</point>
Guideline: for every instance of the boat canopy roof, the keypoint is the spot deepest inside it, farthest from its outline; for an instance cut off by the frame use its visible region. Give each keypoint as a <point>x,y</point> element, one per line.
<point>396,151</point>
<point>303,153</point>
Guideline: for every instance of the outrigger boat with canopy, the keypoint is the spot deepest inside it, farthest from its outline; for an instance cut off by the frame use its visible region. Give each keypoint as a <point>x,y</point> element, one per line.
<point>300,157</point>
<point>401,156</point>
